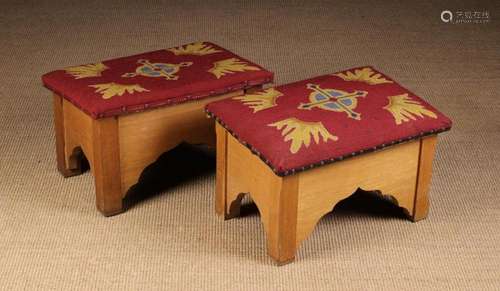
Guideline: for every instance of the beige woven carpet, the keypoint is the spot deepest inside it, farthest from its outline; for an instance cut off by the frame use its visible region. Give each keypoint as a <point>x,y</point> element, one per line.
<point>52,237</point>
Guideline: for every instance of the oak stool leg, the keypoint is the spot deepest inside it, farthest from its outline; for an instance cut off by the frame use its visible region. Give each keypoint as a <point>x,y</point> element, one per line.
<point>221,171</point>
<point>426,156</point>
<point>106,163</point>
<point>282,225</point>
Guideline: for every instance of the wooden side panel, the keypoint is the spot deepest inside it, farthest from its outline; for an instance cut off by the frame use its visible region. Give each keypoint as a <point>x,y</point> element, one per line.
<point>393,171</point>
<point>98,140</point>
<point>275,197</point>
<point>248,174</point>
<point>427,150</point>
<point>77,132</point>
<point>144,136</point>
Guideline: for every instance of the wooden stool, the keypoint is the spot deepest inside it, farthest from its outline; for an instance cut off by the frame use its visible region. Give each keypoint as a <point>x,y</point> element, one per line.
<point>122,114</point>
<point>299,149</point>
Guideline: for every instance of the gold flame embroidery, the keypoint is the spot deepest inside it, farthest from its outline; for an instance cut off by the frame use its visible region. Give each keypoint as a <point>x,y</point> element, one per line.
<point>300,132</point>
<point>86,71</point>
<point>260,100</point>
<point>108,90</point>
<point>197,49</point>
<point>366,75</point>
<point>229,66</point>
<point>403,108</point>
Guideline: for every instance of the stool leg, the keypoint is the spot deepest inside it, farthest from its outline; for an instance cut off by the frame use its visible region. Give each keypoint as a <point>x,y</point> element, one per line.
<point>106,163</point>
<point>221,171</point>
<point>65,169</point>
<point>282,224</point>
<point>421,202</point>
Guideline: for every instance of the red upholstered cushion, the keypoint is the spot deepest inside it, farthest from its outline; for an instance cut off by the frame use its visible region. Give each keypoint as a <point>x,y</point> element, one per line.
<point>153,79</point>
<point>325,119</point>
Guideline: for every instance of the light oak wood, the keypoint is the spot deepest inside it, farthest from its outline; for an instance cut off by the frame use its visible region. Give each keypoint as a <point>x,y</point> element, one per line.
<point>274,196</point>
<point>106,166</point>
<point>119,148</point>
<point>291,206</point>
<point>427,150</point>
<point>220,183</point>
<point>281,241</point>
<point>62,165</point>
<point>77,135</point>
<point>246,174</point>
<point>392,171</point>
<point>144,136</point>
<point>97,140</point>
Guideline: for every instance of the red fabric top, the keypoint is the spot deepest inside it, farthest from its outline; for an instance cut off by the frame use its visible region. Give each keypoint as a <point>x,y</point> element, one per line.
<point>153,79</point>
<point>309,123</point>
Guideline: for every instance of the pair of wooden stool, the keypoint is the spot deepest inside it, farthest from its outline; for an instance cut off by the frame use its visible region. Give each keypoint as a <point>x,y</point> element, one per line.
<point>293,148</point>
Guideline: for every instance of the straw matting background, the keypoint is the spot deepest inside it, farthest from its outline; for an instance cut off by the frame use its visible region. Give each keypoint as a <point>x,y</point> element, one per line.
<point>52,237</point>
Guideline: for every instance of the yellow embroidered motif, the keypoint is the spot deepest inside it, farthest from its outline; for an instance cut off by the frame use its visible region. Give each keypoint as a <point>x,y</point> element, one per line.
<point>197,49</point>
<point>108,90</point>
<point>86,71</point>
<point>261,100</point>
<point>229,66</point>
<point>403,108</point>
<point>156,70</point>
<point>299,132</point>
<point>366,75</point>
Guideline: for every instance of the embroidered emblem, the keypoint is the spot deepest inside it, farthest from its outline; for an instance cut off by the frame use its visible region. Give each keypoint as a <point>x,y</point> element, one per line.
<point>260,100</point>
<point>229,66</point>
<point>155,70</point>
<point>403,108</point>
<point>300,132</point>
<point>86,71</point>
<point>108,90</point>
<point>366,75</point>
<point>197,49</point>
<point>333,100</point>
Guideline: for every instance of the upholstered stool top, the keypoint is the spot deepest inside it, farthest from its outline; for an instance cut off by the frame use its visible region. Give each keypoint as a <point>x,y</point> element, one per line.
<point>328,118</point>
<point>154,79</point>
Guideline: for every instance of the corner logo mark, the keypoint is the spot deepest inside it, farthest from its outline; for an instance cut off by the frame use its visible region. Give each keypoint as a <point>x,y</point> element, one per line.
<point>446,16</point>
<point>465,17</point>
